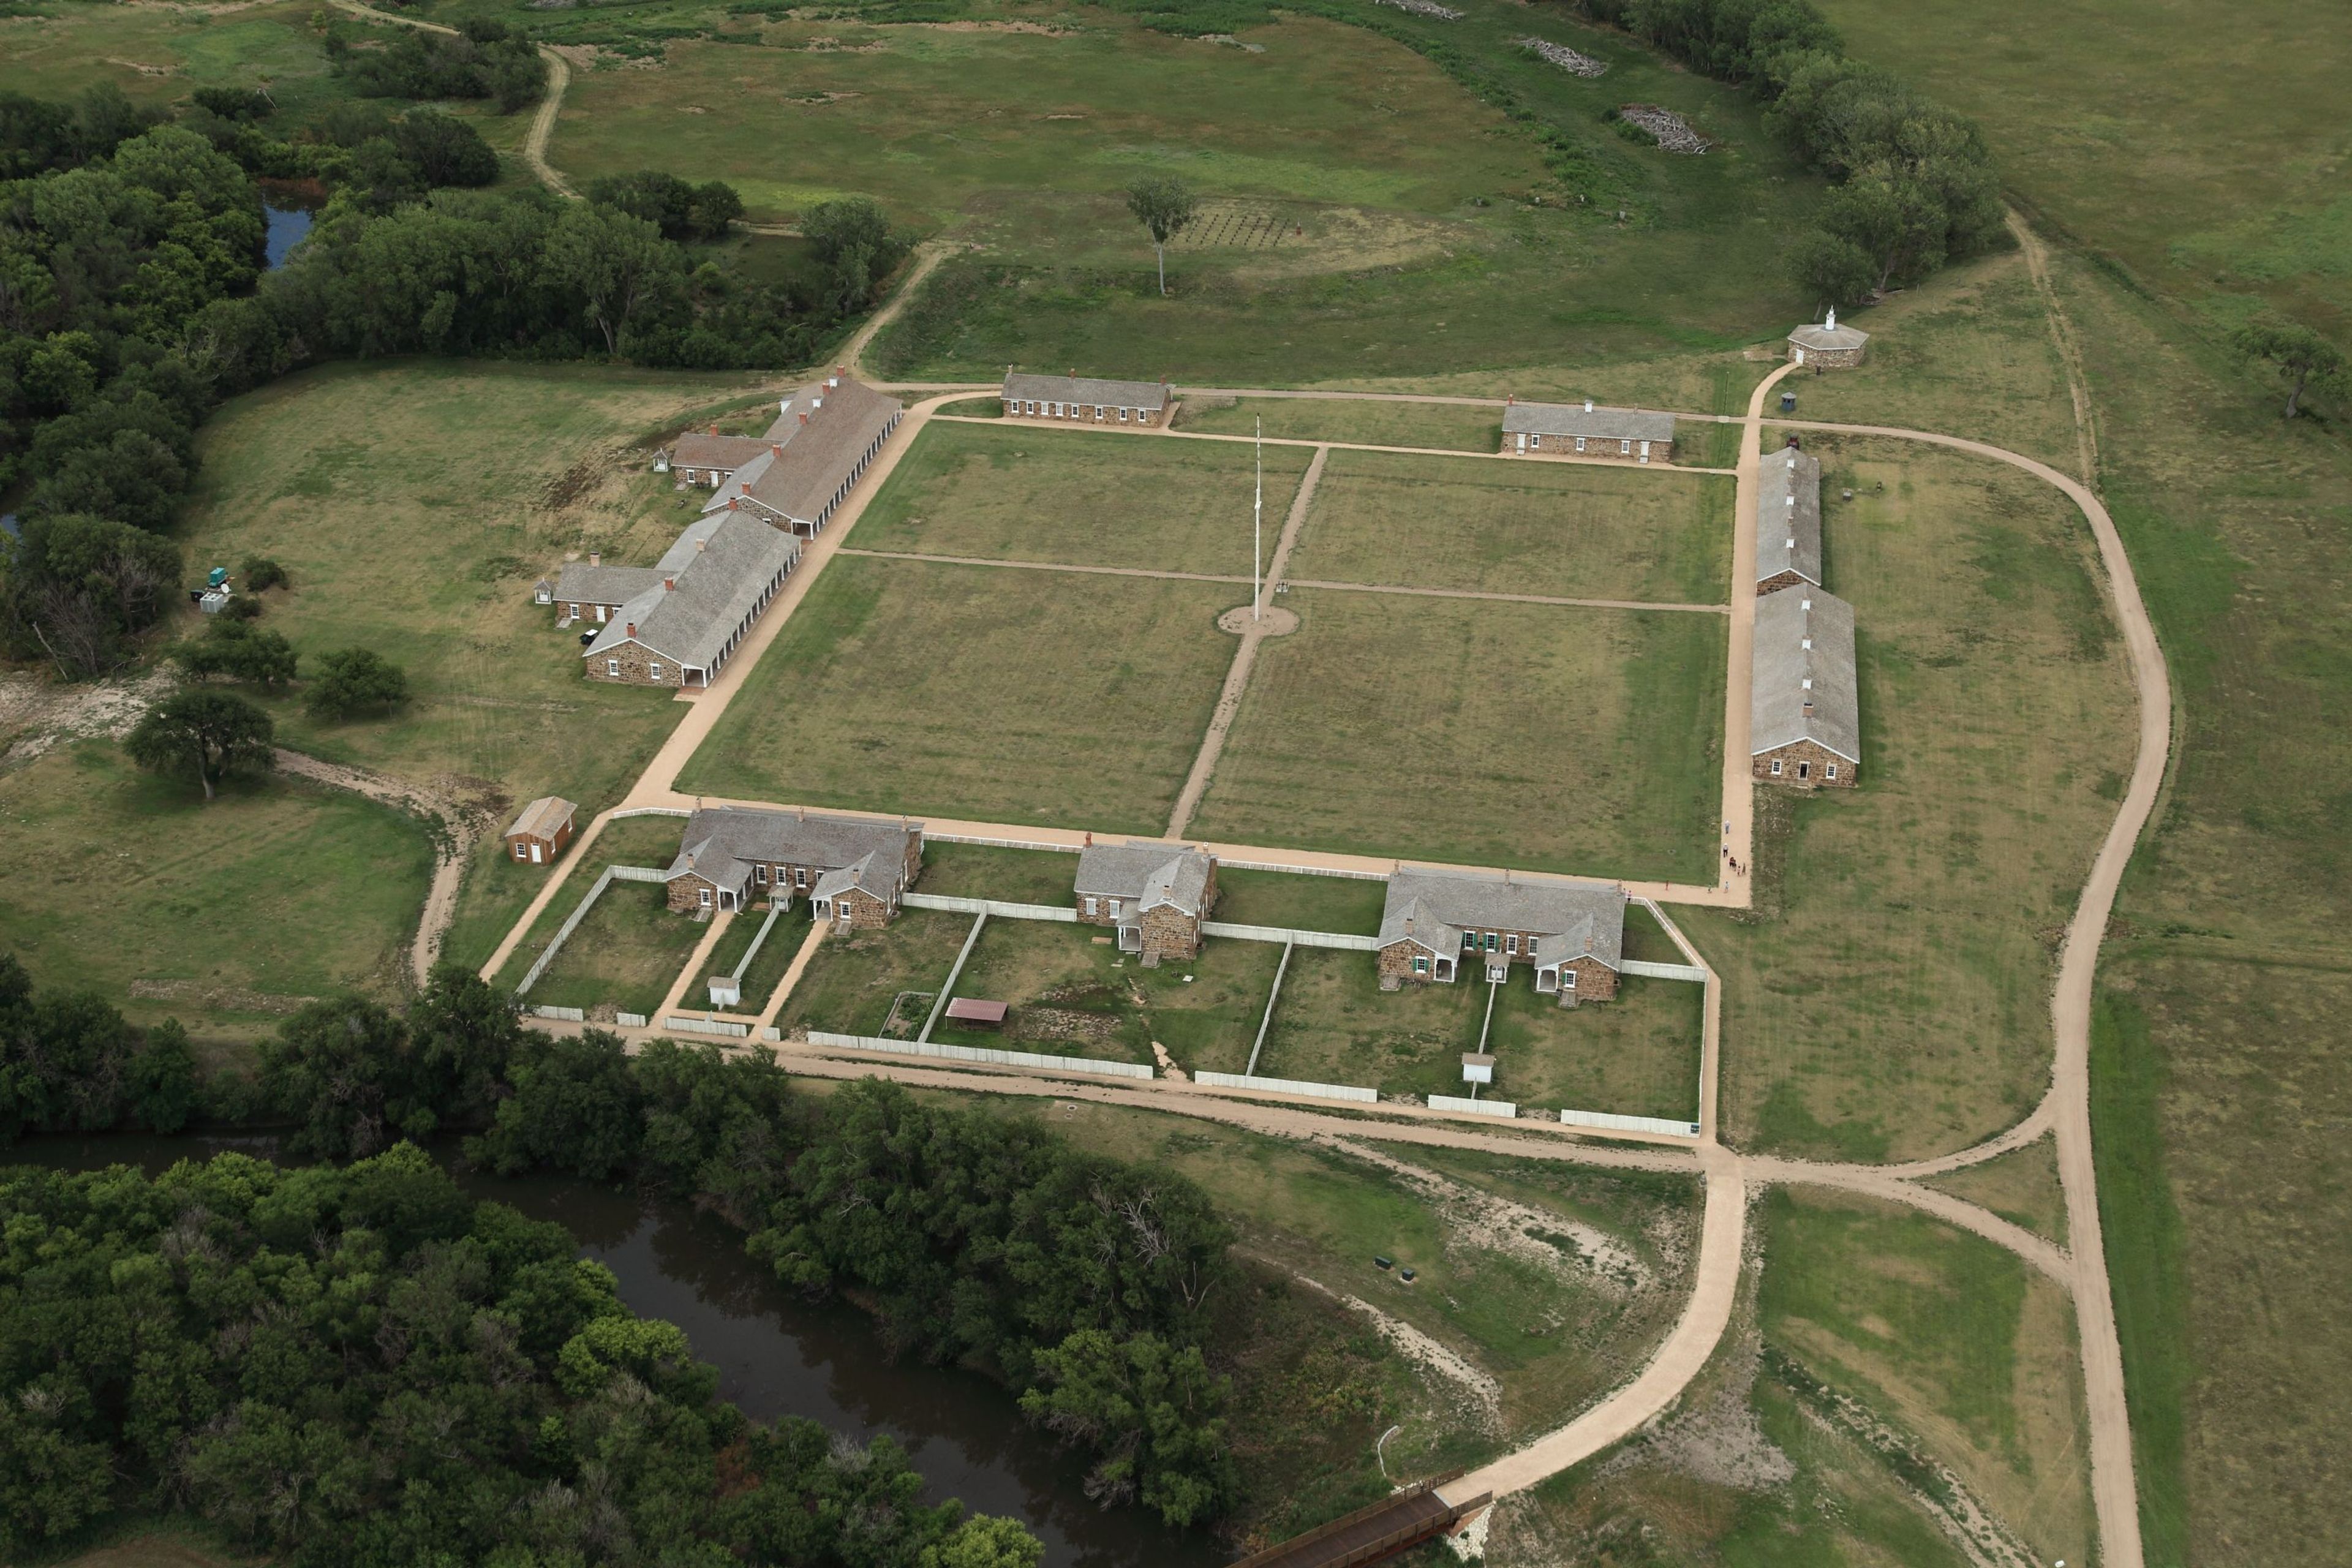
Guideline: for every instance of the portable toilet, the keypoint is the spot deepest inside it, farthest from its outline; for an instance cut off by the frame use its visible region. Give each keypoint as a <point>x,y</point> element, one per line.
<point>726,990</point>
<point>216,578</point>
<point>1788,403</point>
<point>1478,1068</point>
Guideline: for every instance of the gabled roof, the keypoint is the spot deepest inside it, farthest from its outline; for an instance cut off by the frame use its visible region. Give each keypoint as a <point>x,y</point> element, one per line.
<point>582,584</point>
<point>698,450</point>
<point>721,843</point>
<point>870,873</point>
<point>1789,515</point>
<point>1574,919</point>
<point>720,567</point>
<point>1583,420</point>
<point>1804,654</point>
<point>807,461</point>
<point>1086,389</point>
<point>1146,871</point>
<point>543,819</point>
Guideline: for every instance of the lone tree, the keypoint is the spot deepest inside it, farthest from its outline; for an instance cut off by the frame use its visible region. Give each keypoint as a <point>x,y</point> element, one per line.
<point>355,681</point>
<point>213,733</point>
<point>2302,356</point>
<point>1166,206</point>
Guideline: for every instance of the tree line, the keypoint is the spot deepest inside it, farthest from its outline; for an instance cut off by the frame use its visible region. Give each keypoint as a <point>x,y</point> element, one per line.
<point>134,300</point>
<point>1085,1285</point>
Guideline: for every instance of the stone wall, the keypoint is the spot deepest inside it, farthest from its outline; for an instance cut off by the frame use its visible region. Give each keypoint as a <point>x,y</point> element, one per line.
<point>1595,981</point>
<point>1081,414</point>
<point>636,666</point>
<point>686,894</point>
<point>1396,964</point>
<point>1829,359</point>
<point>1780,580</point>
<point>1564,448</point>
<point>1168,932</point>
<point>867,912</point>
<point>1816,761</point>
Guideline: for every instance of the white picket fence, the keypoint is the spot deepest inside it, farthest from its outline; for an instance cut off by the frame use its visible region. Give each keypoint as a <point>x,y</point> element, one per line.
<point>569,1014</point>
<point>630,1020</point>
<point>1500,1109</point>
<point>1607,1121</point>
<point>1282,934</point>
<point>706,1027</point>
<point>605,879</point>
<point>986,1054</point>
<point>1286,1085</point>
<point>987,907</point>
<point>1690,972</point>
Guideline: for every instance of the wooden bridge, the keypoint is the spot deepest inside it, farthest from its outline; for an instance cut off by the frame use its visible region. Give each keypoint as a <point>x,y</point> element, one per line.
<point>1397,1523</point>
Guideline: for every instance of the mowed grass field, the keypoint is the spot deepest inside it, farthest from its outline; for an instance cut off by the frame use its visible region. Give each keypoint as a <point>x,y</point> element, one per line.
<point>643,841</point>
<point>413,505</point>
<point>624,956</point>
<point>980,693</point>
<point>1481,732</point>
<point>226,916</point>
<point>1007,492</point>
<point>1890,991</point>
<point>854,979</point>
<point>1952,1338</point>
<point>1561,530</point>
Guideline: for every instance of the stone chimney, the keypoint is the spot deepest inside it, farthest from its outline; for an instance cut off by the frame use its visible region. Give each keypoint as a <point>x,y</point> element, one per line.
<point>743,487</point>
<point>730,504</point>
<point>632,630</point>
<point>804,416</point>
<point>775,448</point>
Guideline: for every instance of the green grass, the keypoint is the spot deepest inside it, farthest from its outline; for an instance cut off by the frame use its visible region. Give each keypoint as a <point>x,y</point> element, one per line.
<point>1009,876</point>
<point>1072,995</point>
<point>852,980</point>
<point>1950,1335</point>
<point>1646,940</point>
<point>2020,1186</point>
<point>224,915</point>
<point>1890,992</point>
<point>649,841</point>
<point>1563,530</point>
<point>979,693</point>
<point>1485,734</point>
<point>776,956</point>
<point>1458,426</point>
<point>625,955</point>
<point>1348,904</point>
<point>1013,492</point>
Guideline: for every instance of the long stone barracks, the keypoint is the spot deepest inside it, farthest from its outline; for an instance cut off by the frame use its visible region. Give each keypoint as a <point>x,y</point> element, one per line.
<point>1084,399</point>
<point>1804,708</point>
<point>852,870</point>
<point>1572,934</point>
<point>1574,430</point>
<point>1788,520</point>
<point>677,622</point>
<point>1155,895</point>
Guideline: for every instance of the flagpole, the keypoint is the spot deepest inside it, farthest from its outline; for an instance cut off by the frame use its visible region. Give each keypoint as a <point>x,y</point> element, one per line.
<point>1257,525</point>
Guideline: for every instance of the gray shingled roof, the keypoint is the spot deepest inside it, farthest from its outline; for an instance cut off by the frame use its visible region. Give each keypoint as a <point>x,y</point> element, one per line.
<point>1576,419</point>
<point>1093,391</point>
<point>1818,335</point>
<point>869,873</point>
<point>721,565</point>
<point>542,818</point>
<point>1585,917</point>
<point>1148,871</point>
<point>698,450</point>
<point>1804,652</point>
<point>723,843</point>
<point>844,421</point>
<point>1789,515</point>
<point>581,583</point>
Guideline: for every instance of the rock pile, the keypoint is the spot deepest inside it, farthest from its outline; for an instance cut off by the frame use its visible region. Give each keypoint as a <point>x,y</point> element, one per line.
<point>1425,9</point>
<point>1673,131</point>
<point>1563,56</point>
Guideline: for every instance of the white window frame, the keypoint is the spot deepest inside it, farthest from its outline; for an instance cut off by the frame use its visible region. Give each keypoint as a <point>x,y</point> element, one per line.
<point>1625,447</point>
<point>1122,415</point>
<point>1580,443</point>
<point>1832,772</point>
<point>613,667</point>
<point>1532,943</point>
<point>1511,945</point>
<point>1567,978</point>
<point>1421,966</point>
<point>706,898</point>
<point>1088,903</point>
<point>1776,767</point>
<point>760,875</point>
<point>653,669</point>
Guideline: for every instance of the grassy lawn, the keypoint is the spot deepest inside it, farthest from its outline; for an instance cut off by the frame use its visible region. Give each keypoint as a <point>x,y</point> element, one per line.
<point>1459,427</point>
<point>650,841</point>
<point>852,980</point>
<point>1009,876</point>
<point>351,477</point>
<point>1014,492</point>
<point>1889,995</point>
<point>2021,1185</point>
<point>1972,355</point>
<point>1646,940</point>
<point>127,884</point>
<point>1348,904</point>
<point>1550,739</point>
<point>1553,1334</point>
<point>979,693</point>
<point>1635,1055</point>
<point>1073,995</point>
<point>1948,1335</point>
<point>625,955</point>
<point>1335,1025</point>
<point>1570,531</point>
<point>157,56</point>
<point>775,956</point>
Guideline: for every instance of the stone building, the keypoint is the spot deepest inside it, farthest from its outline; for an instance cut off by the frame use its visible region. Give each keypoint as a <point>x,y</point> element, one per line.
<point>1572,934</point>
<point>852,870</point>
<point>1154,894</point>
<point>1829,346</point>
<point>1582,430</point>
<point>541,830</point>
<point>698,458</point>
<point>1788,519</point>
<point>1084,399</point>
<point>591,591</point>
<point>825,437</point>
<point>705,594</point>
<point>1804,710</point>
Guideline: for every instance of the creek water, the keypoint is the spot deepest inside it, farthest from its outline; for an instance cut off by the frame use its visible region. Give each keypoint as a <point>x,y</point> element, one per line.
<point>777,1353</point>
<point>288,226</point>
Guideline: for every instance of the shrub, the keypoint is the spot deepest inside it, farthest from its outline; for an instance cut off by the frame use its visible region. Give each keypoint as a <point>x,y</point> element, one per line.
<point>355,681</point>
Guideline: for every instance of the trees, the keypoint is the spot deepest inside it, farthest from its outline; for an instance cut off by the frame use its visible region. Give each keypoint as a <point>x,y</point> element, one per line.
<point>75,586</point>
<point>2302,357</point>
<point>355,681</point>
<point>443,149</point>
<point>209,733</point>
<point>1165,205</point>
<point>618,266</point>
<point>344,1070</point>
<point>680,210</point>
<point>1150,1410</point>
<point>262,573</point>
<point>240,650</point>
<point>575,1108</point>
<point>1832,269</point>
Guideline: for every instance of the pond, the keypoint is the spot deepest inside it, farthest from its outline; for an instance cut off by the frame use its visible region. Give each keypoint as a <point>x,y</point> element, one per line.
<point>288,226</point>
<point>777,1353</point>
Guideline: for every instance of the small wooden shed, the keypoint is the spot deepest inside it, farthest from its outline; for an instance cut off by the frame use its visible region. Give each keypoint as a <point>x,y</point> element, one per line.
<point>539,834</point>
<point>974,1014</point>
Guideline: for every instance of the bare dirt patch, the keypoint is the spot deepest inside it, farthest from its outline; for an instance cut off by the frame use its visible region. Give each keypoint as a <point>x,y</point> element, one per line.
<point>36,713</point>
